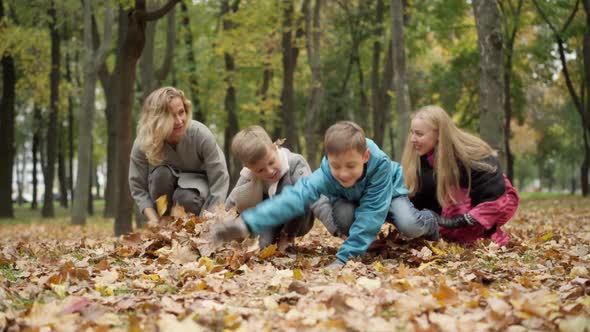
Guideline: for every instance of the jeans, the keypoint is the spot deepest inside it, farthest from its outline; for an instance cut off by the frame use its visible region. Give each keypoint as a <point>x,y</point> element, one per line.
<point>410,222</point>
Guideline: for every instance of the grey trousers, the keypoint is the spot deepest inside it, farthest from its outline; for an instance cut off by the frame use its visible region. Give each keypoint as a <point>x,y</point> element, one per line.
<point>411,222</point>
<point>162,181</point>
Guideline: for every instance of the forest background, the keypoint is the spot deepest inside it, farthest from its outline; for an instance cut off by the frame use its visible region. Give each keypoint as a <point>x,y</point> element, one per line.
<point>75,73</point>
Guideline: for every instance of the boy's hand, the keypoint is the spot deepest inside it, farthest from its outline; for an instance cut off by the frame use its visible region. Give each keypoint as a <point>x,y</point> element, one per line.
<point>233,229</point>
<point>335,265</point>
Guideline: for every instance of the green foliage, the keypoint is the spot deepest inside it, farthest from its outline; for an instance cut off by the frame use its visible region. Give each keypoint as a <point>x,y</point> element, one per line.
<point>442,59</point>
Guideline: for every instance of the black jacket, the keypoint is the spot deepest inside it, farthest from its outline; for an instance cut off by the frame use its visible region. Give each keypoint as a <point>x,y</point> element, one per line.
<point>485,186</point>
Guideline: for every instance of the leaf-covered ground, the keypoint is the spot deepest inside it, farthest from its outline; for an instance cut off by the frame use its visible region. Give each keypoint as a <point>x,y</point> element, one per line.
<point>169,278</point>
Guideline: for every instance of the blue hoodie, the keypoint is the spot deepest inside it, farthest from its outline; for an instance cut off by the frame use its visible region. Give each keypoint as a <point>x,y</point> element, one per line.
<point>382,181</point>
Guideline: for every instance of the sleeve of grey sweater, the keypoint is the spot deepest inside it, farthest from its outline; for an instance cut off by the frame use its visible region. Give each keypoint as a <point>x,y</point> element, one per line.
<point>138,178</point>
<point>231,200</point>
<point>215,167</point>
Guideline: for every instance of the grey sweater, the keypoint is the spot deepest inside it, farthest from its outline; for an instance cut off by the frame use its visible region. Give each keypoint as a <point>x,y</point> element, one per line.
<point>200,163</point>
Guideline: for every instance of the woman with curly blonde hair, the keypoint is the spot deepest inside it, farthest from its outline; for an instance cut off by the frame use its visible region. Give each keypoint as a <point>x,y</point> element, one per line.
<point>459,176</point>
<point>175,156</point>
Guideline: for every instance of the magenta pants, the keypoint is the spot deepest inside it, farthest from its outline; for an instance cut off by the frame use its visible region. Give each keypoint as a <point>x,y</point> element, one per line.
<point>491,216</point>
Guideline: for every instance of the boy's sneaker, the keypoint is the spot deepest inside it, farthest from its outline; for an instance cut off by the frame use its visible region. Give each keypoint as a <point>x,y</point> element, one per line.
<point>233,229</point>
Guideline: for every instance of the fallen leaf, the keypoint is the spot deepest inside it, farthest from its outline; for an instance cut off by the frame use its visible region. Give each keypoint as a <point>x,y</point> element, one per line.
<point>162,205</point>
<point>268,251</point>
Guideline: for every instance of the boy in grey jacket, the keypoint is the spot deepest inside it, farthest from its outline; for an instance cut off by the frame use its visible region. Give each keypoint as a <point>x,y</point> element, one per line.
<point>268,169</point>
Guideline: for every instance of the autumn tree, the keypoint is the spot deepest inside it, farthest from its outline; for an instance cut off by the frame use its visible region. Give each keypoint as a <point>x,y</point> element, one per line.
<point>7,118</point>
<point>134,41</point>
<point>291,31</point>
<point>92,62</point>
<point>400,81</point>
<point>230,103</point>
<point>312,43</point>
<point>581,99</point>
<point>491,85</point>
<point>51,134</point>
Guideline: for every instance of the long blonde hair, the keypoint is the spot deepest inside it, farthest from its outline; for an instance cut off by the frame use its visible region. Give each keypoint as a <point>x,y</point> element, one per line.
<point>156,122</point>
<point>454,148</point>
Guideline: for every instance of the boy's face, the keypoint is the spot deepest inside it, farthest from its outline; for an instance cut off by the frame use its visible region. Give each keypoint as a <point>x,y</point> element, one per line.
<point>347,167</point>
<point>267,168</point>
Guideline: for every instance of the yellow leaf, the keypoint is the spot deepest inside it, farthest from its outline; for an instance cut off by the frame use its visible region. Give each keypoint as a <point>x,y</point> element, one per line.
<point>104,290</point>
<point>207,262</point>
<point>232,321</point>
<point>379,267</point>
<point>297,274</point>
<point>546,237</point>
<point>268,251</point>
<point>425,265</point>
<point>152,277</point>
<point>438,251</point>
<point>202,285</point>
<point>162,205</point>
<point>134,325</point>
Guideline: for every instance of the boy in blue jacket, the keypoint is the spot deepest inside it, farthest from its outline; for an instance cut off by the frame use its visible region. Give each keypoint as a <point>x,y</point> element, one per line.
<point>364,186</point>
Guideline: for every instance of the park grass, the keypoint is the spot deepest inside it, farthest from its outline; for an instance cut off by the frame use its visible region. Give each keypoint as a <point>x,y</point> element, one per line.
<point>24,215</point>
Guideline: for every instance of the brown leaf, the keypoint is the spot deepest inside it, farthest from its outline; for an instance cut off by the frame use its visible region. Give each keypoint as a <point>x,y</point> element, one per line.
<point>445,294</point>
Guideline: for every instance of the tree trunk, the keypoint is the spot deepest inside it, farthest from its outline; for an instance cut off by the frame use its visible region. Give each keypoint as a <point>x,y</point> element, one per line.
<point>61,168</point>
<point>51,138</point>
<point>151,78</point>
<point>70,130</point>
<point>92,173</point>
<point>583,110</point>
<point>262,93</point>
<point>511,16</point>
<point>585,167</point>
<point>586,111</point>
<point>130,53</point>
<point>36,147</point>
<point>110,83</point>
<point>198,113</point>
<point>400,80</point>
<point>20,164</point>
<point>289,59</point>
<point>312,29</point>
<point>363,115</point>
<point>491,85</point>
<point>7,140</point>
<point>376,94</point>
<point>93,60</point>
<point>232,126</point>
